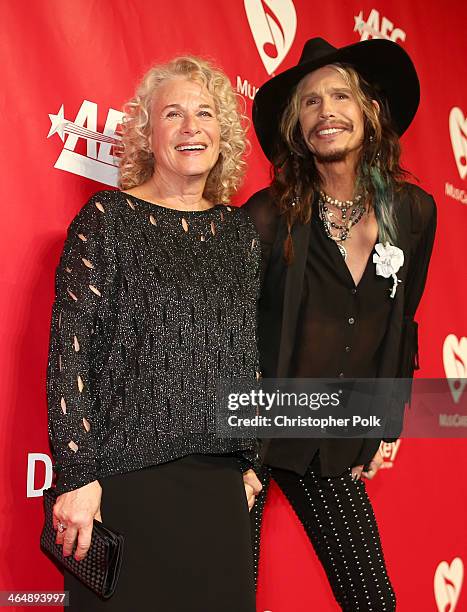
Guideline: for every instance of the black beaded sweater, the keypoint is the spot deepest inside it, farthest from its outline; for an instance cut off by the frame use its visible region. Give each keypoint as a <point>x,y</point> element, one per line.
<point>153,307</point>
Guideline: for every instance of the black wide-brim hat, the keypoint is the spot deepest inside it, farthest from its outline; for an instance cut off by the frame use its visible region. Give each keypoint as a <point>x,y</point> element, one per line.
<point>382,63</point>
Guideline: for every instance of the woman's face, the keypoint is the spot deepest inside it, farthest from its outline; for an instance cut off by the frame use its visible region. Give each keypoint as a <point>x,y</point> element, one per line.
<point>185,131</point>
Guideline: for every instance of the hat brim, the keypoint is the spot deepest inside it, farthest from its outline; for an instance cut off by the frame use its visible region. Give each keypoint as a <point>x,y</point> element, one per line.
<point>382,63</point>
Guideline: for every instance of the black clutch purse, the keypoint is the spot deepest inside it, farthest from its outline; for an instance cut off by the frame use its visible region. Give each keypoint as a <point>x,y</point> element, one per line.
<point>100,568</point>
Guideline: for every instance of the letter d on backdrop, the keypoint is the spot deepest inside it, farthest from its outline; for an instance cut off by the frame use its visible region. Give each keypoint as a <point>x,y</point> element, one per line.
<point>33,458</point>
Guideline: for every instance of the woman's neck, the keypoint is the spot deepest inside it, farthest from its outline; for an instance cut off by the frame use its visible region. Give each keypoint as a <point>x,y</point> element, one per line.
<point>182,193</point>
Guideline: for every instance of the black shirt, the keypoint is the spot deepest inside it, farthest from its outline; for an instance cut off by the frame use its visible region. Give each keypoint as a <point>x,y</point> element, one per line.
<point>347,322</point>
<point>153,307</point>
<point>286,304</point>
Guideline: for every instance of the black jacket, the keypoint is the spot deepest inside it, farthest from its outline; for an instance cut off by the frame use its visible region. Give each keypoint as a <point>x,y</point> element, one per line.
<point>279,309</point>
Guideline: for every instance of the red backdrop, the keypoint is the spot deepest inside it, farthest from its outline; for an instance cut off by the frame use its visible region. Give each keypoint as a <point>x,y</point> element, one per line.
<point>71,65</point>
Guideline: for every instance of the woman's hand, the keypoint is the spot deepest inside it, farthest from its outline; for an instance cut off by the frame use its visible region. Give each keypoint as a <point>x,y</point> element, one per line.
<point>73,517</point>
<point>252,487</point>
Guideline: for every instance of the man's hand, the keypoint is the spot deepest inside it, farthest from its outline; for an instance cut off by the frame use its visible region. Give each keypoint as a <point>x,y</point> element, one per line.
<point>373,467</point>
<point>252,487</point>
<point>73,517</point>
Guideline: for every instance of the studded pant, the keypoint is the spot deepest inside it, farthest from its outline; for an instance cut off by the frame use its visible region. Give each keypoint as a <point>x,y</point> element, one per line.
<point>338,518</point>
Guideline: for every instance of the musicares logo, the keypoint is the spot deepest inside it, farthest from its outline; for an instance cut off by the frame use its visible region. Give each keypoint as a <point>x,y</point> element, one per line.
<point>373,28</point>
<point>273,24</point>
<point>455,365</point>
<point>98,164</point>
<point>447,584</point>
<point>458,131</point>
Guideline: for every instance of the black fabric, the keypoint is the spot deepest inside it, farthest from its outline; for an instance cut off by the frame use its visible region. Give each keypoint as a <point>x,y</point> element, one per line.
<point>338,518</point>
<point>153,307</point>
<point>341,326</point>
<point>394,354</point>
<point>326,344</point>
<point>187,539</point>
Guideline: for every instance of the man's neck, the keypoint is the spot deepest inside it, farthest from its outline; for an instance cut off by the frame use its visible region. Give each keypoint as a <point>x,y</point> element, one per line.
<point>338,179</point>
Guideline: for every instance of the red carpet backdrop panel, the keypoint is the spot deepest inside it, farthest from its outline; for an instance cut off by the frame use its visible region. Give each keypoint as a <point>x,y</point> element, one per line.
<point>67,68</point>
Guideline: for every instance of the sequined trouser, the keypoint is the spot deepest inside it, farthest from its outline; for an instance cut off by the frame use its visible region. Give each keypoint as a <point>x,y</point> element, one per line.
<point>338,518</point>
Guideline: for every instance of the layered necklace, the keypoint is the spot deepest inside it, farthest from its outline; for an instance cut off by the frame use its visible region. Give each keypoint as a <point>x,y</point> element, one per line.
<point>340,231</point>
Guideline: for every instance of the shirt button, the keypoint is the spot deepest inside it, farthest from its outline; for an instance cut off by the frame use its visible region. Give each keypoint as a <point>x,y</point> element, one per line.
<point>348,349</point>
<point>353,291</point>
<point>351,320</point>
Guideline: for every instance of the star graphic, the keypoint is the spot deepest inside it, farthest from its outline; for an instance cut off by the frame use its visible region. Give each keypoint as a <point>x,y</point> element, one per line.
<point>58,124</point>
<point>359,22</point>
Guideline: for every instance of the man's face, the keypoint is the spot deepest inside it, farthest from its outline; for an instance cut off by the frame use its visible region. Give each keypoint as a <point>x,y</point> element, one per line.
<point>330,117</point>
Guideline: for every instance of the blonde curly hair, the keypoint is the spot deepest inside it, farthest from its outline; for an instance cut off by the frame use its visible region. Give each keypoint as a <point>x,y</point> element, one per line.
<point>136,163</point>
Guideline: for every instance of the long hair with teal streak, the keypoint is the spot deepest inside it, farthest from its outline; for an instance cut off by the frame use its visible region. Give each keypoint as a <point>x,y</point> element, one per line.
<point>383,202</point>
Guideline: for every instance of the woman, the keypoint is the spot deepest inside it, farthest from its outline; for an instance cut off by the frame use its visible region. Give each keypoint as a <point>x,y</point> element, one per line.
<point>155,303</point>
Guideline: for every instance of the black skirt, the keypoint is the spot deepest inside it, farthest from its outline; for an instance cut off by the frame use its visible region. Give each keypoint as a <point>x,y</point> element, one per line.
<point>187,539</point>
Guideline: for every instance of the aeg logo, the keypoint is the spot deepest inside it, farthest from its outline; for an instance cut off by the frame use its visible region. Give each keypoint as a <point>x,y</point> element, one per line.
<point>273,24</point>
<point>389,451</point>
<point>98,163</point>
<point>447,584</point>
<point>373,28</point>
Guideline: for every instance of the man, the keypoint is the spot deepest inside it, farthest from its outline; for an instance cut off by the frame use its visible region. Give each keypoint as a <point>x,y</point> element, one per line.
<point>331,127</point>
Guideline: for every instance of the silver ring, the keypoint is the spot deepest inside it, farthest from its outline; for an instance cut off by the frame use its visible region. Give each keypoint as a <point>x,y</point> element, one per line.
<point>61,527</point>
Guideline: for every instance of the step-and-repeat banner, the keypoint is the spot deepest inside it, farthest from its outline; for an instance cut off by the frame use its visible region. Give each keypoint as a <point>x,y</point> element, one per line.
<point>67,68</point>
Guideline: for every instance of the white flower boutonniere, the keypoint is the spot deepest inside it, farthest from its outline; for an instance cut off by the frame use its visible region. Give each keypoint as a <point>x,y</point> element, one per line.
<point>388,260</point>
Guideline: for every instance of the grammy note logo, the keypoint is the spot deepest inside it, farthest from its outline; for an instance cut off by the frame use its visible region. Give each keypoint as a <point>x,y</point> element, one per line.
<point>273,24</point>
<point>447,584</point>
<point>458,131</point>
<point>455,364</point>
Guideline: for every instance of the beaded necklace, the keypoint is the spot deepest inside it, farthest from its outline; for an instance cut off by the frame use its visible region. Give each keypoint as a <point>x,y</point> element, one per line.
<point>343,231</point>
